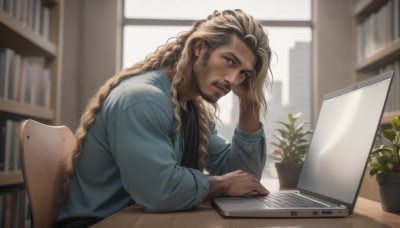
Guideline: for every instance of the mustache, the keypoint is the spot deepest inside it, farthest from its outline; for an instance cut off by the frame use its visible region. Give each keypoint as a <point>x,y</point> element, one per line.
<point>224,86</point>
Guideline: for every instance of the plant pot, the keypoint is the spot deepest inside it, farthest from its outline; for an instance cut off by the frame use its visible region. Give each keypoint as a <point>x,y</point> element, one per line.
<point>389,189</point>
<point>288,174</point>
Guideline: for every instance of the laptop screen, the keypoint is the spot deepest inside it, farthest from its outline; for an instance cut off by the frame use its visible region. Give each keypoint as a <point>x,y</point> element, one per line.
<point>342,140</point>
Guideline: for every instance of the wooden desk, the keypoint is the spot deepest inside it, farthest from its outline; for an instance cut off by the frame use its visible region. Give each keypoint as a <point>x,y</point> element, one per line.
<point>366,214</point>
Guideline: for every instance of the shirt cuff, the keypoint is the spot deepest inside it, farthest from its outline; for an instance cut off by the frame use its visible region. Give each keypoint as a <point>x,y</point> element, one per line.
<point>252,136</point>
<point>202,186</point>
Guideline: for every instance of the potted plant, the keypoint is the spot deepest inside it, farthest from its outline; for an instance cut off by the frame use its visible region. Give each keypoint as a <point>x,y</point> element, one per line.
<point>385,164</point>
<point>291,148</point>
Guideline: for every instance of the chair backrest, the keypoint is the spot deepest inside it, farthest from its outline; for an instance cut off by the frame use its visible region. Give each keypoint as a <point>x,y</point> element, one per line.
<point>44,157</point>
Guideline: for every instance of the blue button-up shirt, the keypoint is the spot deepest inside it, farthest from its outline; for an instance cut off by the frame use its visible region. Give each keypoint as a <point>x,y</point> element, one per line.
<point>132,154</point>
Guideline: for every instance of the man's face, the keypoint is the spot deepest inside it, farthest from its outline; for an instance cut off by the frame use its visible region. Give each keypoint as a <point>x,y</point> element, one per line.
<point>227,66</point>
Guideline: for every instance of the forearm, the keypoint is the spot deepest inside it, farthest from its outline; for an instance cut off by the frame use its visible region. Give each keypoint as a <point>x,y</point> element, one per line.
<point>216,187</point>
<point>249,117</point>
<point>236,183</point>
<point>246,151</point>
<point>252,158</point>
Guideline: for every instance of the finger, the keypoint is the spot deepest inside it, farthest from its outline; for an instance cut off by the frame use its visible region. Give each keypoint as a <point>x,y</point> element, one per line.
<point>253,193</point>
<point>261,189</point>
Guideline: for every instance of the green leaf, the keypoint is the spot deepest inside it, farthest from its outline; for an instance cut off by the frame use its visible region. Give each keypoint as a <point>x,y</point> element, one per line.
<point>296,116</point>
<point>284,124</point>
<point>292,140</point>
<point>373,171</point>
<point>381,150</point>
<point>290,117</point>
<point>396,123</point>
<point>389,134</point>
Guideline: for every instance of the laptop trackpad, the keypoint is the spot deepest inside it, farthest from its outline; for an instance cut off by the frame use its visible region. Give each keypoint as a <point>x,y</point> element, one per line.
<point>242,202</point>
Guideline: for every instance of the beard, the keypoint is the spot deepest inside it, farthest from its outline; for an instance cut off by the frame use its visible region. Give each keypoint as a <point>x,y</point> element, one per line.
<point>199,70</point>
<point>208,98</point>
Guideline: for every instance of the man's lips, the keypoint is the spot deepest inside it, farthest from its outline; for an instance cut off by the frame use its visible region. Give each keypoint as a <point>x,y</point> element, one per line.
<point>225,88</point>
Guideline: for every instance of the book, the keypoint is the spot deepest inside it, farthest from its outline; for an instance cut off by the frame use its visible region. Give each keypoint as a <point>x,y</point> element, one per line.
<point>378,29</point>
<point>24,72</point>
<point>24,12</point>
<point>15,146</point>
<point>14,81</point>
<point>8,6</point>
<point>8,58</point>
<point>2,70</point>
<point>37,7</point>
<point>43,89</point>
<point>2,144</point>
<point>45,23</point>
<point>1,208</point>
<point>396,18</point>
<point>8,209</point>
<point>21,207</point>
<point>26,84</point>
<point>30,13</point>
<point>11,146</point>
<point>16,11</point>
<point>10,74</point>
<point>8,165</point>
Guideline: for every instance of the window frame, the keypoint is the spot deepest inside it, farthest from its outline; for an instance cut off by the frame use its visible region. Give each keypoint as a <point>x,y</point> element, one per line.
<point>185,22</point>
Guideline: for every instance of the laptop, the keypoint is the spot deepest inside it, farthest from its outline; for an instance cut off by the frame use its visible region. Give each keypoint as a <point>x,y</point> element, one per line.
<point>335,163</point>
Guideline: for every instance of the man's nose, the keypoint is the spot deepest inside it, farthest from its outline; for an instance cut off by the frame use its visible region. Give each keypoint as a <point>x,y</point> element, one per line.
<point>234,78</point>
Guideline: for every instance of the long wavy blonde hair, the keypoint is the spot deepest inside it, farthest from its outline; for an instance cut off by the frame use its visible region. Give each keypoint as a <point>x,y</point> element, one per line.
<point>177,55</point>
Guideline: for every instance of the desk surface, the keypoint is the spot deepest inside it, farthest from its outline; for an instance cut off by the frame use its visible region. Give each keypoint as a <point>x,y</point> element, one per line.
<point>366,214</point>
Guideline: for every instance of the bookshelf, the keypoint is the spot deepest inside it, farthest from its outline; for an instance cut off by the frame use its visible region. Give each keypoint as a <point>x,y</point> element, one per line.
<point>378,46</point>
<point>30,87</point>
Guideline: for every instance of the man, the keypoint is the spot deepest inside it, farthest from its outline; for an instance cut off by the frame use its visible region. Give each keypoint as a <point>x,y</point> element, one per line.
<point>148,136</point>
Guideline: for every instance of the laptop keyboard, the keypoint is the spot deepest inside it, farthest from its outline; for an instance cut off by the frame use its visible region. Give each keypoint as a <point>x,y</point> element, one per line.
<point>284,200</point>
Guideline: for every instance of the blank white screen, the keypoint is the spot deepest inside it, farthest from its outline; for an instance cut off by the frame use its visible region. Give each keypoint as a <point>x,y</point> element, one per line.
<point>342,141</point>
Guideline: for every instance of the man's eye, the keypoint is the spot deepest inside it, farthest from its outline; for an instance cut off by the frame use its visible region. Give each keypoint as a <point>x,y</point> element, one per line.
<point>246,74</point>
<point>229,61</point>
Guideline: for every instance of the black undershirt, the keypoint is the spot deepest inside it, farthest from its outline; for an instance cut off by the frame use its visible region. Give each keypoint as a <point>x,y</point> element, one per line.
<point>190,137</point>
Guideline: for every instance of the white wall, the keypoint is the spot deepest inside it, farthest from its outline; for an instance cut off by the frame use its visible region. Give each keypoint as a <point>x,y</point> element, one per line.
<point>92,36</point>
<point>333,54</point>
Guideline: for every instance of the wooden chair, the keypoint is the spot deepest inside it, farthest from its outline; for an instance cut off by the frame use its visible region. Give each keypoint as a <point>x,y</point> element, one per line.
<point>45,158</point>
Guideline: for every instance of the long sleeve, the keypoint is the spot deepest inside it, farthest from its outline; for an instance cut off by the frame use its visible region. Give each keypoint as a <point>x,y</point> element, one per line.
<point>247,152</point>
<point>149,165</point>
<point>133,152</point>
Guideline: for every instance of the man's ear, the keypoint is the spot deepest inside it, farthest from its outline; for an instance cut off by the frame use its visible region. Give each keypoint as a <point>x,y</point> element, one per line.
<point>199,46</point>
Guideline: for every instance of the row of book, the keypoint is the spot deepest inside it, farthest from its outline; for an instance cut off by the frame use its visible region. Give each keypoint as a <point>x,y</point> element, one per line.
<point>9,146</point>
<point>31,13</point>
<point>393,101</point>
<point>14,208</point>
<point>24,79</point>
<point>378,30</point>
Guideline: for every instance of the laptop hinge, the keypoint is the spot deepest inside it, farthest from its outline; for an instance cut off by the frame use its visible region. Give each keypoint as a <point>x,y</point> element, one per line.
<point>312,198</point>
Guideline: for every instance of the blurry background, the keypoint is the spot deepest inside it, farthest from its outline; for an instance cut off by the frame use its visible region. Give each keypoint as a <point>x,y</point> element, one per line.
<point>55,54</point>
<point>314,44</point>
<point>289,30</point>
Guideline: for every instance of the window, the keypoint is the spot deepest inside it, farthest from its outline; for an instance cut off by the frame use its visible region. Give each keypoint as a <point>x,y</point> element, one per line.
<point>288,23</point>
<point>298,10</point>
